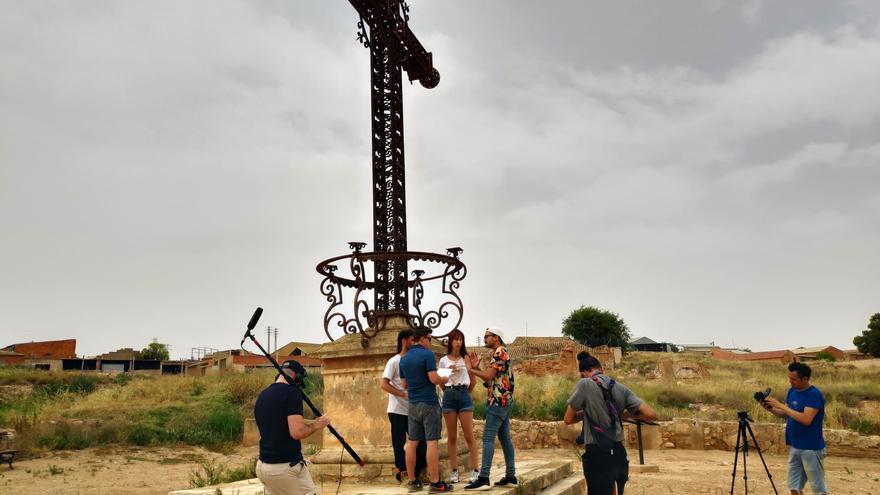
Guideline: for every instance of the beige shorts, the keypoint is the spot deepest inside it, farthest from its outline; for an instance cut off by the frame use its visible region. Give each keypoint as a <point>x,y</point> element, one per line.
<point>284,479</point>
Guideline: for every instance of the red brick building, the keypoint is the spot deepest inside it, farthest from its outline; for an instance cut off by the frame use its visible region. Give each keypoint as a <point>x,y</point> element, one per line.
<point>10,358</point>
<point>49,349</point>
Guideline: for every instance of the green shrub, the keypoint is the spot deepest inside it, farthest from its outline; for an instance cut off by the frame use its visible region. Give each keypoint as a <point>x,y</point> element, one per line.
<point>63,436</point>
<point>208,473</point>
<point>83,384</point>
<point>865,426</point>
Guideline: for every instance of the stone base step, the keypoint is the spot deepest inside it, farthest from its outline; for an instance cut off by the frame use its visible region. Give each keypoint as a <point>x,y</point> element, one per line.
<point>574,484</point>
<point>535,476</point>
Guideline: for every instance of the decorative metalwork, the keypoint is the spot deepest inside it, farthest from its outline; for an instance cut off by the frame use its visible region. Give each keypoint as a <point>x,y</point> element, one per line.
<point>383,28</point>
<point>358,317</point>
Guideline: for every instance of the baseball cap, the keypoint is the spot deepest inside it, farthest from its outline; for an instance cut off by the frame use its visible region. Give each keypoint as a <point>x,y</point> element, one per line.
<point>496,331</point>
<point>295,365</point>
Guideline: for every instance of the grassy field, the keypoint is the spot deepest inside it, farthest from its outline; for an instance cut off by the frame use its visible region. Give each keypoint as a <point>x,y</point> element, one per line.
<point>852,394</point>
<point>72,411</point>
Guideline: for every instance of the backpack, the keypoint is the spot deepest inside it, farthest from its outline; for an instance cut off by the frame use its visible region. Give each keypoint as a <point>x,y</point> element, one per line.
<point>605,438</point>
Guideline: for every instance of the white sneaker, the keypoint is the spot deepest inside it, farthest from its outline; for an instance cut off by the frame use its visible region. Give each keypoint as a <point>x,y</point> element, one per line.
<point>474,475</point>
<point>453,476</point>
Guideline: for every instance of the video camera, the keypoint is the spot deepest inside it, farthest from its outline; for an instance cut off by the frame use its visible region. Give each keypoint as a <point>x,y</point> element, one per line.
<point>762,395</point>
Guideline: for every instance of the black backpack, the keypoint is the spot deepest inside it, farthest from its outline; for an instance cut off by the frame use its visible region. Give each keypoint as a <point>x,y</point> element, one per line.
<point>605,438</point>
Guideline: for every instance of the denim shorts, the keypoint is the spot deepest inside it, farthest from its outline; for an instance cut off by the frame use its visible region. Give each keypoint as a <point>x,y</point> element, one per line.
<point>457,400</point>
<point>425,421</point>
<point>804,465</point>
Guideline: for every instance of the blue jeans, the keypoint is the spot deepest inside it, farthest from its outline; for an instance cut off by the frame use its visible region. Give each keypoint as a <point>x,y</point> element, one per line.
<point>806,465</point>
<point>497,423</point>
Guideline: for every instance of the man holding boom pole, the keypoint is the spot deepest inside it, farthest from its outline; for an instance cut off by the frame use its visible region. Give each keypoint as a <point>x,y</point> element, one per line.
<point>279,415</point>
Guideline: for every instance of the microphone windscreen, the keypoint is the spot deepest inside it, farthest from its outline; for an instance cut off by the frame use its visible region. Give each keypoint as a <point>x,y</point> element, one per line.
<point>255,318</point>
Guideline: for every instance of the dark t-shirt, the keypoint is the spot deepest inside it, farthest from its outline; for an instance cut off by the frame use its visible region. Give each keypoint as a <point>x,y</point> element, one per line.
<point>800,436</point>
<point>414,367</point>
<point>274,405</point>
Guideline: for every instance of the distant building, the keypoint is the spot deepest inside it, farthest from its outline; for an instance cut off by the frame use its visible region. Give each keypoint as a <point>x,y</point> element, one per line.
<point>45,355</point>
<point>855,355</point>
<point>49,349</point>
<point>11,358</point>
<point>810,353</point>
<point>705,349</point>
<point>644,344</point>
<point>782,356</point>
<point>239,360</point>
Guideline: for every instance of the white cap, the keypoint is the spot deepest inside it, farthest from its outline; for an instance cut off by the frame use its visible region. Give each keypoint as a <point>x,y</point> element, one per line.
<point>496,331</point>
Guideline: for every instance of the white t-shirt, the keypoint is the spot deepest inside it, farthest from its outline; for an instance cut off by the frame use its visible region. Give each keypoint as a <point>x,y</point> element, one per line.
<point>396,405</point>
<point>459,375</point>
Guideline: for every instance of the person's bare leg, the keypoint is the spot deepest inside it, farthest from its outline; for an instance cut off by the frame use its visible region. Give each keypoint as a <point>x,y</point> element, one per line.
<point>467,429</point>
<point>433,455</point>
<point>451,438</point>
<point>410,450</point>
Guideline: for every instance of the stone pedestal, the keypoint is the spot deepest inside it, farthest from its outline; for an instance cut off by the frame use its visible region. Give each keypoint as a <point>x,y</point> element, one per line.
<point>356,405</point>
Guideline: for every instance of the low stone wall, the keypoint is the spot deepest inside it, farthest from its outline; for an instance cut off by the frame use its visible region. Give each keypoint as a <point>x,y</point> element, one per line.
<point>689,434</point>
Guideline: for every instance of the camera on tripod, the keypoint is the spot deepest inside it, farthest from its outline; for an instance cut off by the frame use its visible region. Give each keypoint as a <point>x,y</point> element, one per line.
<point>762,395</point>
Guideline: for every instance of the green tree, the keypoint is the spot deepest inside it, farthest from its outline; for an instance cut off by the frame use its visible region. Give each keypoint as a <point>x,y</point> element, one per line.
<point>154,351</point>
<point>869,341</point>
<point>593,326</point>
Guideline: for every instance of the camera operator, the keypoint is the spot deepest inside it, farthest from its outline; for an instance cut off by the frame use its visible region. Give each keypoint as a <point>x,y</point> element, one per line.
<point>279,415</point>
<point>601,403</point>
<point>804,410</point>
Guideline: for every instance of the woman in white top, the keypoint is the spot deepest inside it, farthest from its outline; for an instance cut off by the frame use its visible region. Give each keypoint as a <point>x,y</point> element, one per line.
<point>457,403</point>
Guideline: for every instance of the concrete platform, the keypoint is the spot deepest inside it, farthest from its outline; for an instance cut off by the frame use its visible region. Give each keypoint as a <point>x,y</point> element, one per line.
<point>554,472</point>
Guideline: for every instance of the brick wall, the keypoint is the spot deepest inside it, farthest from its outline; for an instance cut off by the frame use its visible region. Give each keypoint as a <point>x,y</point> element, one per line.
<point>53,349</point>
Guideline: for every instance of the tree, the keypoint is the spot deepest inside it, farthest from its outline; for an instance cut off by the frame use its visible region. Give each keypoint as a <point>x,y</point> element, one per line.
<point>154,351</point>
<point>869,341</point>
<point>593,327</point>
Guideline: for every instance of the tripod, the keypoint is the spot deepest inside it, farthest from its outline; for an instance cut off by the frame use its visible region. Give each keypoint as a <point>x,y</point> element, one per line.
<point>743,447</point>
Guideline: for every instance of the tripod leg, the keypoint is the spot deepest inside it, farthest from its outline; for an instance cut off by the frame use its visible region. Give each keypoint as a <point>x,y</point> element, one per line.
<point>735,459</point>
<point>742,428</point>
<point>758,448</point>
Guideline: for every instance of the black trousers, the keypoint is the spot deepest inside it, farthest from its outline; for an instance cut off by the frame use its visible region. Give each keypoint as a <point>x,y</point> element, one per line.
<point>604,470</point>
<point>399,425</point>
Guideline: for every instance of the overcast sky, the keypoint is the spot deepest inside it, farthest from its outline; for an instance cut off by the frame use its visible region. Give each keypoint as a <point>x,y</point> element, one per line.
<point>708,170</point>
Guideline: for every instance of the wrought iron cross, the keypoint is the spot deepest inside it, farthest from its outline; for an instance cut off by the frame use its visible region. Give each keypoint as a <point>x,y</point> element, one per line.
<point>393,47</point>
<point>383,28</point>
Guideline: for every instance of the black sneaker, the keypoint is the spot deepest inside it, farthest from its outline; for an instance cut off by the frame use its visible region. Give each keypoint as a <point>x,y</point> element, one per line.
<point>440,486</point>
<point>480,484</point>
<point>414,485</point>
<point>507,481</point>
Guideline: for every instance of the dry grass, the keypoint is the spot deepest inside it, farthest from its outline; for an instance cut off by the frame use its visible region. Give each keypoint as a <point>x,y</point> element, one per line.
<point>852,394</point>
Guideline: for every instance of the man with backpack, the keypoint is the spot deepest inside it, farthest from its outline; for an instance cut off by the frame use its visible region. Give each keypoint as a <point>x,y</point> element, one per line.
<point>602,403</point>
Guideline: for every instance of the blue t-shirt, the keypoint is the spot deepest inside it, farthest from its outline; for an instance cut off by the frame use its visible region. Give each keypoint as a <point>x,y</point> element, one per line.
<point>414,367</point>
<point>798,435</point>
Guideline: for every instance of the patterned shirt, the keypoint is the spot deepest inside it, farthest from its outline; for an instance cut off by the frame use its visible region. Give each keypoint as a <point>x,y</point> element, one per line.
<point>501,387</point>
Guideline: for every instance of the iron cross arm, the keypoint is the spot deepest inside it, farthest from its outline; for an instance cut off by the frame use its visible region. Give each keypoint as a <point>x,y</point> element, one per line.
<point>387,20</point>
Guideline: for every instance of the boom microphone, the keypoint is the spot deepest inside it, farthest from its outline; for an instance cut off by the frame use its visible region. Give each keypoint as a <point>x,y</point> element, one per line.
<point>254,319</point>
<point>253,323</point>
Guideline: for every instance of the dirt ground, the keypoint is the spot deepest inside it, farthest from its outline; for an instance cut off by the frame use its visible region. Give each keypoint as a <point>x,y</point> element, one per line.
<point>146,471</point>
<point>158,471</point>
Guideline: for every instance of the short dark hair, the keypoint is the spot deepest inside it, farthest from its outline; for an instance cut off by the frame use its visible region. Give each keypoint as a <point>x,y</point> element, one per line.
<point>401,336</point>
<point>802,370</point>
<point>588,363</point>
<point>582,355</point>
<point>422,331</point>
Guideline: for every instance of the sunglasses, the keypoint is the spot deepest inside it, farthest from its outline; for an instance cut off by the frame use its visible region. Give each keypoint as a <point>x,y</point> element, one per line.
<point>489,335</point>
